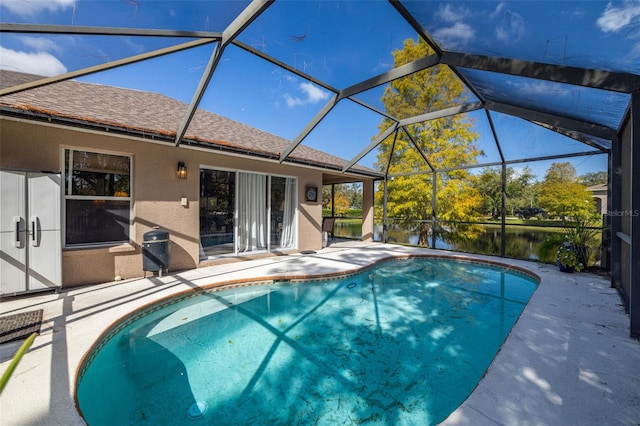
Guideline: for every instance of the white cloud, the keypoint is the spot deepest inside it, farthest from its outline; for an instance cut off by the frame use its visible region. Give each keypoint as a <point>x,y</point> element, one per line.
<point>502,35</point>
<point>540,87</point>
<point>458,33</point>
<point>510,26</point>
<point>40,63</point>
<point>314,94</point>
<point>519,171</point>
<point>30,8</point>
<point>499,8</point>
<point>310,95</point>
<point>449,14</point>
<point>41,44</point>
<point>576,13</point>
<point>614,18</point>
<point>291,101</point>
<point>136,47</point>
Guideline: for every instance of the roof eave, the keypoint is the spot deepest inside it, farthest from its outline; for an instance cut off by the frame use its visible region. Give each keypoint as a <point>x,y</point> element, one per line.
<point>42,116</point>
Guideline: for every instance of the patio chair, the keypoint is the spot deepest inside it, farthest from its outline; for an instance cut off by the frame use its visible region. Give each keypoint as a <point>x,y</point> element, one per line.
<point>327,226</point>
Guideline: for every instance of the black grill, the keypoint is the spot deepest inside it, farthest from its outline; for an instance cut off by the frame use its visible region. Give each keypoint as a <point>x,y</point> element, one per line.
<point>155,251</point>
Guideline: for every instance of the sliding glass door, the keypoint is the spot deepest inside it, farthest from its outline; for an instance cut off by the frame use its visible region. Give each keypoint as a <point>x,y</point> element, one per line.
<point>217,211</point>
<point>246,212</point>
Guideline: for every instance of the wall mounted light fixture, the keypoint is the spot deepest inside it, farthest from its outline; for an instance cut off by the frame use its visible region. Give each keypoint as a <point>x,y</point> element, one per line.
<point>182,171</point>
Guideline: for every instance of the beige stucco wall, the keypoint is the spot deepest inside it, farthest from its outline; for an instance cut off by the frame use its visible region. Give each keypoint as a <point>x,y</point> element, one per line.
<point>367,210</point>
<point>156,194</point>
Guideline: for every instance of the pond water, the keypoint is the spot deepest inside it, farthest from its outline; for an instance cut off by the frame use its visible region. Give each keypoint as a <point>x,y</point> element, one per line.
<point>521,242</point>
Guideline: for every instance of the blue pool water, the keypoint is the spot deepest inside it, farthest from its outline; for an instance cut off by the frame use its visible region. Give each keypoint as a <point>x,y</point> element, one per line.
<point>403,343</point>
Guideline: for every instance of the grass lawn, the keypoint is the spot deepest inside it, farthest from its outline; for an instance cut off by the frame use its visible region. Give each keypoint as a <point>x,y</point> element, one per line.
<point>529,222</point>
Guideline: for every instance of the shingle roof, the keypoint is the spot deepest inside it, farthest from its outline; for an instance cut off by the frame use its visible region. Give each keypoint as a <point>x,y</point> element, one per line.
<point>148,113</point>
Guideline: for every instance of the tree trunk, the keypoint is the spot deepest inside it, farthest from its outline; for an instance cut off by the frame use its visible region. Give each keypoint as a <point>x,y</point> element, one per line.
<point>423,238</point>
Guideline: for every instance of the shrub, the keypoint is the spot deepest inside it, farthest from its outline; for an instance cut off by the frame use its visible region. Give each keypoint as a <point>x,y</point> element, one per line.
<point>548,249</point>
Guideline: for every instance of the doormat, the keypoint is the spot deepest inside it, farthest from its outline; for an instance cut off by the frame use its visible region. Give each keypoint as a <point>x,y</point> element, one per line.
<point>20,326</point>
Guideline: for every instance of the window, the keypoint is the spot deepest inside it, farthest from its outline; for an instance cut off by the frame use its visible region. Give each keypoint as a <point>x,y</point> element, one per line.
<point>97,195</point>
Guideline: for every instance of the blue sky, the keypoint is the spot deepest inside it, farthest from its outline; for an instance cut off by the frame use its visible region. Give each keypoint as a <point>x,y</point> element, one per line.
<point>340,43</point>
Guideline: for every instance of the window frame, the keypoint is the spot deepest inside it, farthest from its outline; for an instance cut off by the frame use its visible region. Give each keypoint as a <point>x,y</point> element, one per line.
<point>270,246</point>
<point>63,189</point>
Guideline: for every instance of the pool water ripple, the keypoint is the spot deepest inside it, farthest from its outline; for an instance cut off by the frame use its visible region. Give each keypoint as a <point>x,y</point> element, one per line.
<point>402,343</point>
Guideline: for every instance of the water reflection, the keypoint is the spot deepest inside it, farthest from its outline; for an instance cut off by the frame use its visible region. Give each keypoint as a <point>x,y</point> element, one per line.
<point>521,242</point>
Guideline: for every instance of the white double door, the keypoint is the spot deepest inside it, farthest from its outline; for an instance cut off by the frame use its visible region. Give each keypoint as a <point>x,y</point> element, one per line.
<point>30,232</point>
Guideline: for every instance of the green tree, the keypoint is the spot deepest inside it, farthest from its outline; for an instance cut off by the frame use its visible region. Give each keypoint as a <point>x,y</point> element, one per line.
<point>562,195</point>
<point>347,196</point>
<point>521,190</point>
<point>354,194</point>
<point>489,185</point>
<point>447,142</point>
<point>326,197</point>
<point>594,178</point>
<point>518,190</point>
<point>561,172</point>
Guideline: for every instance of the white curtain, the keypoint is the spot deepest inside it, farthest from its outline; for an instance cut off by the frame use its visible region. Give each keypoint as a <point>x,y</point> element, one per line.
<point>287,238</point>
<point>252,211</point>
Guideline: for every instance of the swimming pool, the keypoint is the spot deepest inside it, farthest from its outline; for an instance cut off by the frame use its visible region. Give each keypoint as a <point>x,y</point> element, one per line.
<point>404,342</point>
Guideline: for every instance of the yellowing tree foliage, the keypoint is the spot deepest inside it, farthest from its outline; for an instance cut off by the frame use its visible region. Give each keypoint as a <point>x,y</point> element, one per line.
<point>341,205</point>
<point>446,142</point>
<point>561,194</point>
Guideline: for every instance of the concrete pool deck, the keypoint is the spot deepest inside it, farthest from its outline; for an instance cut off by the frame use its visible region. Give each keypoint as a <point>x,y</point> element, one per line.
<point>568,360</point>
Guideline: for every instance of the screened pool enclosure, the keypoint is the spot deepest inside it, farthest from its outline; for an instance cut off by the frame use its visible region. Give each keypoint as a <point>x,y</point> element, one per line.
<point>446,104</point>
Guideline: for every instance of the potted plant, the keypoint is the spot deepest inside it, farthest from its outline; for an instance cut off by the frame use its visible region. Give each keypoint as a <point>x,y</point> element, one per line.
<point>580,232</point>
<point>547,250</point>
<point>567,258</point>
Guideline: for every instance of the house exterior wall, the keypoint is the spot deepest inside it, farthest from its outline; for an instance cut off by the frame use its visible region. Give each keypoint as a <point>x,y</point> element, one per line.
<point>599,194</point>
<point>367,210</point>
<point>156,194</point>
